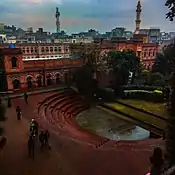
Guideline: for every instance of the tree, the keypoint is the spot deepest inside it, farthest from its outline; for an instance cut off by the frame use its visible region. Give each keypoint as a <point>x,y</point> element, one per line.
<point>121,63</point>
<point>85,77</point>
<point>156,79</point>
<point>171,6</point>
<point>164,62</point>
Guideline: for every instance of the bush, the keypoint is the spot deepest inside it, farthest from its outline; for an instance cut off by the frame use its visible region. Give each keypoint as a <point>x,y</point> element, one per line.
<point>141,87</point>
<point>149,93</point>
<point>106,94</point>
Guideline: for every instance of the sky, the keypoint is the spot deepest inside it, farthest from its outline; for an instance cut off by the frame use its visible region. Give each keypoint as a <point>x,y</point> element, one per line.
<point>81,15</point>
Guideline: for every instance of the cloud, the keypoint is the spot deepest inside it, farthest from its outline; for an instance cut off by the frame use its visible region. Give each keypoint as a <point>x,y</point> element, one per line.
<point>77,15</point>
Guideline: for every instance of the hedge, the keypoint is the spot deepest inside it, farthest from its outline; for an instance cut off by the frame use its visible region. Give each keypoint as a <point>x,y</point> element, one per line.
<point>141,87</point>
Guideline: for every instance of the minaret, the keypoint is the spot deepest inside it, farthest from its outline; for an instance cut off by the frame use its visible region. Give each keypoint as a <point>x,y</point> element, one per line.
<point>57,15</point>
<point>138,16</point>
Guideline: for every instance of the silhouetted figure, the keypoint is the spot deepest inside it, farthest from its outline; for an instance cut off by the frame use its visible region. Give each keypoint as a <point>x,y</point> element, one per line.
<point>42,139</point>
<point>34,126</point>
<point>9,103</point>
<point>26,97</point>
<point>31,145</point>
<point>18,113</point>
<point>157,162</point>
<point>47,136</point>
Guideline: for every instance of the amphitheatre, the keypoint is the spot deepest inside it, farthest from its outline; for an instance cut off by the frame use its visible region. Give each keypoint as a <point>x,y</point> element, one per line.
<point>90,149</point>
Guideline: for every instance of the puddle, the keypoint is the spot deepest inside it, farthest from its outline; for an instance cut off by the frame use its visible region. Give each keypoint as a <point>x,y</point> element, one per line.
<point>109,126</point>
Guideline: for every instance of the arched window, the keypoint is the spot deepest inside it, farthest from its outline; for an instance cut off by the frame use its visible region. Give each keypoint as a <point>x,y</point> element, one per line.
<point>59,49</point>
<point>47,49</point>
<point>14,62</point>
<point>51,49</point>
<point>42,49</point>
<point>28,50</point>
<point>55,49</point>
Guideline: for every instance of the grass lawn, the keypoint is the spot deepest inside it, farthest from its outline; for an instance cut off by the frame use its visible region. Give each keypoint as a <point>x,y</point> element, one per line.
<point>139,115</point>
<point>156,108</point>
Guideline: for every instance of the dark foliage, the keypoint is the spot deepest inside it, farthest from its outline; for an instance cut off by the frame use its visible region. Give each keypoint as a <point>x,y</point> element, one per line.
<point>157,162</point>
<point>121,63</point>
<point>171,6</point>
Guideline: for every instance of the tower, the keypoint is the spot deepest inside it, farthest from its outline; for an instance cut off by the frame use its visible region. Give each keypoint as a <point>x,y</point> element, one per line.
<point>57,15</point>
<point>138,16</point>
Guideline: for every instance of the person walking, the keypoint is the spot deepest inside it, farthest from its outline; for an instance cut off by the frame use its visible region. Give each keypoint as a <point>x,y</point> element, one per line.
<point>34,126</point>
<point>42,140</point>
<point>9,103</point>
<point>26,97</point>
<point>18,113</point>
<point>31,145</point>
<point>47,136</point>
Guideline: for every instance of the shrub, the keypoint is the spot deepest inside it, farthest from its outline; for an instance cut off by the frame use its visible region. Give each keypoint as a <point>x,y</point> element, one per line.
<point>149,93</point>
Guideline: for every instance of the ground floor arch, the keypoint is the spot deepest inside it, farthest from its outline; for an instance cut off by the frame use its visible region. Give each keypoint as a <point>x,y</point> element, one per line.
<point>29,82</point>
<point>16,84</point>
<point>49,79</point>
<point>39,80</point>
<point>58,78</point>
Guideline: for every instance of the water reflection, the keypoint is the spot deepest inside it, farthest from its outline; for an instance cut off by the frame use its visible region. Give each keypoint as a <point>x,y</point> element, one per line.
<point>135,133</point>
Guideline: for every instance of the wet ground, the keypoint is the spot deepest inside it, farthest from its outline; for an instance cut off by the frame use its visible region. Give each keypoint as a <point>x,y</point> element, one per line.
<point>109,126</point>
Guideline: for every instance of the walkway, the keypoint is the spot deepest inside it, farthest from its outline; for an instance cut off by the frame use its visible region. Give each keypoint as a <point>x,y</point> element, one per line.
<point>15,160</point>
<point>66,156</point>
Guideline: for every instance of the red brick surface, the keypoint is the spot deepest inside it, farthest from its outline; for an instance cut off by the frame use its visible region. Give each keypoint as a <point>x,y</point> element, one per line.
<point>68,157</point>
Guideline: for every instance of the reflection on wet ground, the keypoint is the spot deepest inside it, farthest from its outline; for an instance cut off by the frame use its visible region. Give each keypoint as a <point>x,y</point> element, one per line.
<point>109,126</point>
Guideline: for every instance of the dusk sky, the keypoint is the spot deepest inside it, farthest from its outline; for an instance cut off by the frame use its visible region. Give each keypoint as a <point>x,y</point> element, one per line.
<point>81,15</point>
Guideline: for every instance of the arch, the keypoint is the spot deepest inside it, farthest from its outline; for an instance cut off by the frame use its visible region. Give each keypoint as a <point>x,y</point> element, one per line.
<point>16,84</point>
<point>39,80</point>
<point>28,76</point>
<point>57,77</point>
<point>14,62</point>
<point>49,79</point>
<point>29,80</point>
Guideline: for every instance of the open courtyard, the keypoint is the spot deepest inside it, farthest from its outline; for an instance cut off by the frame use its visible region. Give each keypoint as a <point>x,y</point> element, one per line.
<point>75,151</point>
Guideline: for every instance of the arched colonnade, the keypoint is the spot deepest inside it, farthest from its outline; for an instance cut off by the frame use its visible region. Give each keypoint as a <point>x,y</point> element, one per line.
<point>37,81</point>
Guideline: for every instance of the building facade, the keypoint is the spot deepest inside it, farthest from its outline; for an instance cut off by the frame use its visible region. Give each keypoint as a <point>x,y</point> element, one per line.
<point>42,50</point>
<point>18,74</point>
<point>146,51</point>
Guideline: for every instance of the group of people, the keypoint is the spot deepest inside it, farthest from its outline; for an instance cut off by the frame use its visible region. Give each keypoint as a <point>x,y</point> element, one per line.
<point>33,135</point>
<point>33,131</point>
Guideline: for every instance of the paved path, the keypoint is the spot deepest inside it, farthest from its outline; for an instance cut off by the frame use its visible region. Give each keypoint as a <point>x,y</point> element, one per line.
<point>15,160</point>
<point>66,156</point>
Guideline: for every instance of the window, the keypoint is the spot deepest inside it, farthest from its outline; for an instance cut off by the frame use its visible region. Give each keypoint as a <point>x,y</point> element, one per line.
<point>42,49</point>
<point>51,49</point>
<point>150,52</point>
<point>55,49</point>
<point>27,50</point>
<point>14,62</point>
<point>144,54</point>
<point>47,49</point>
<point>67,49</point>
<point>59,49</point>
<point>32,50</point>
